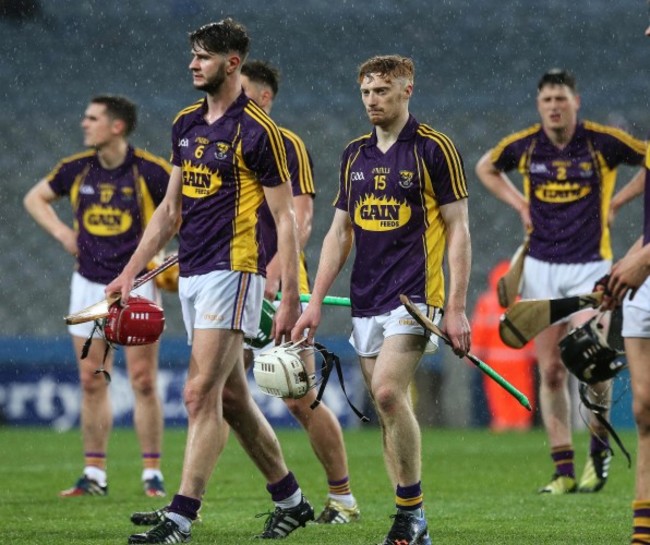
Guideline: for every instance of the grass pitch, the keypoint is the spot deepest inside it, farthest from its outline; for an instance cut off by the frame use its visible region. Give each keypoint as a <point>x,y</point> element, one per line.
<point>479,488</point>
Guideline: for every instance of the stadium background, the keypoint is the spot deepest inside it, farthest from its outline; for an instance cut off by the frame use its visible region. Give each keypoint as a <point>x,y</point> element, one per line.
<point>477,64</point>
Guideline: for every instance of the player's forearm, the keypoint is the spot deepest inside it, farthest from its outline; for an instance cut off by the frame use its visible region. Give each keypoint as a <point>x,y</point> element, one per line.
<point>334,253</point>
<point>629,191</point>
<point>37,202</point>
<point>304,208</point>
<point>499,184</point>
<point>459,254</point>
<point>288,252</point>
<point>164,224</point>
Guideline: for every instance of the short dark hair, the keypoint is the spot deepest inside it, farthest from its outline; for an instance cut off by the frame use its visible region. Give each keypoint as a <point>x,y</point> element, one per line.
<point>557,76</point>
<point>222,37</point>
<point>262,72</point>
<point>119,107</point>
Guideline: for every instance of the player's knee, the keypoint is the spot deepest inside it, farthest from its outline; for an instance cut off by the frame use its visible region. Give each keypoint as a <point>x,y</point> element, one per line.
<point>197,397</point>
<point>143,384</point>
<point>92,384</point>
<point>386,398</point>
<point>300,408</point>
<point>554,376</point>
<point>231,402</point>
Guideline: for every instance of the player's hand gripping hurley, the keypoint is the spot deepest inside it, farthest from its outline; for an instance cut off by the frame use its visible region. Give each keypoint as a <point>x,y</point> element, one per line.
<point>484,367</point>
<point>100,309</point>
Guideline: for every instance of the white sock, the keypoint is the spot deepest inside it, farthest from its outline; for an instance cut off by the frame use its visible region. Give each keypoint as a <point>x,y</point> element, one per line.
<point>184,523</point>
<point>96,474</point>
<point>151,473</point>
<point>347,500</point>
<point>290,502</point>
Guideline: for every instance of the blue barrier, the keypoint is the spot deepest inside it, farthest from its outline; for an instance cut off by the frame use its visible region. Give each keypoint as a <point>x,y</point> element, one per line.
<point>39,384</point>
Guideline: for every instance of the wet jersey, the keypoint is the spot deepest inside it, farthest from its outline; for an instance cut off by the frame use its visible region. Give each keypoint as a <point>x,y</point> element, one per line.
<point>393,200</point>
<point>570,189</point>
<point>111,207</point>
<point>646,200</point>
<point>224,167</point>
<point>302,183</point>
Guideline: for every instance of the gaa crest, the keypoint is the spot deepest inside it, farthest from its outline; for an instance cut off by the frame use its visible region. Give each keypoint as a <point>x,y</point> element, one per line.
<point>221,152</point>
<point>405,178</point>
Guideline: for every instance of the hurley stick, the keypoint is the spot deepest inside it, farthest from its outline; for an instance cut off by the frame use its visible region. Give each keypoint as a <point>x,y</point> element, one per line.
<point>427,324</point>
<point>327,300</point>
<point>526,319</point>
<point>100,309</point>
<point>509,284</point>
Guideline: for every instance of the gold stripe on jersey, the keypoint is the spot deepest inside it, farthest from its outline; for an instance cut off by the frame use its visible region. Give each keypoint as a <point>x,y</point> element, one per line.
<point>637,145</point>
<point>607,184</point>
<point>503,144</point>
<point>524,168</point>
<point>275,138</point>
<point>147,205</point>
<point>455,165</point>
<point>74,191</point>
<point>305,176</point>
<point>248,199</point>
<point>189,109</point>
<point>647,158</point>
<point>433,239</point>
<point>346,179</point>
<point>303,276</point>
<point>151,158</point>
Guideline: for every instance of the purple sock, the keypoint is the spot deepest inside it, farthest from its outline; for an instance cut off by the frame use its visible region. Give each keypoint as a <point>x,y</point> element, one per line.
<point>284,488</point>
<point>185,506</point>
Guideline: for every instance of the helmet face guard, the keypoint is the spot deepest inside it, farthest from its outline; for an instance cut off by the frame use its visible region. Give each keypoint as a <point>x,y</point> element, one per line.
<point>587,355</point>
<point>280,371</point>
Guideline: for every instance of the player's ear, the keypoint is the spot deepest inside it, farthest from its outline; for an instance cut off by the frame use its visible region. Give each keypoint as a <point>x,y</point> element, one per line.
<point>266,97</point>
<point>233,63</point>
<point>118,126</point>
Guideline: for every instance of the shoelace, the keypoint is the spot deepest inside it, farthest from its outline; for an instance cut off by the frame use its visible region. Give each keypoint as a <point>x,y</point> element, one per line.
<point>271,517</point>
<point>400,527</point>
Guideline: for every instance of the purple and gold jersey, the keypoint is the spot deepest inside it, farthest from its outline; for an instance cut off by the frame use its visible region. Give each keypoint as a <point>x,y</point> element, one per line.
<point>224,168</point>
<point>302,183</point>
<point>111,207</point>
<point>646,199</point>
<point>569,190</point>
<point>394,201</point>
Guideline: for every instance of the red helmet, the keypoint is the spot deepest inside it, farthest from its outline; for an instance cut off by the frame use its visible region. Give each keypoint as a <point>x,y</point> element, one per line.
<point>140,321</point>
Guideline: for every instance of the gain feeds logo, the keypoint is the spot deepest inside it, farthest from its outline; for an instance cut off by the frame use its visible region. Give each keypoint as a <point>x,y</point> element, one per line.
<point>381,213</point>
<point>199,180</point>
<point>106,221</point>
<point>561,192</point>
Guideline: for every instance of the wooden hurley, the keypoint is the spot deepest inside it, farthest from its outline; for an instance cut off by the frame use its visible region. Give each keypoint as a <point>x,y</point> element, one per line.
<point>100,309</point>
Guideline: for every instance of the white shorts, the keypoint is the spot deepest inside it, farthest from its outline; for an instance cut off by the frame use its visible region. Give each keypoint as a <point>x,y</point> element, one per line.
<point>368,334</point>
<point>544,280</point>
<point>636,313</point>
<point>221,300</point>
<point>84,293</point>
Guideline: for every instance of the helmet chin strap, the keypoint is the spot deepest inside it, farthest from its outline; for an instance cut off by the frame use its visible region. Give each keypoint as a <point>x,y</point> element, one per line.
<point>599,412</point>
<point>98,326</point>
<point>330,361</point>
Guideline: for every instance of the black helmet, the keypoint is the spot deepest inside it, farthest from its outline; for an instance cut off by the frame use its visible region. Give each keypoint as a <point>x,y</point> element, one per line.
<point>587,355</point>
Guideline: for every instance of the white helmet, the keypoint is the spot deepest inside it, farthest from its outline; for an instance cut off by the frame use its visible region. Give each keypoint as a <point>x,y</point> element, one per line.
<point>280,372</point>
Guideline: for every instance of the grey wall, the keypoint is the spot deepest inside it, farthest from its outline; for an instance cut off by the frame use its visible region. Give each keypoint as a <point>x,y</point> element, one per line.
<point>477,64</point>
